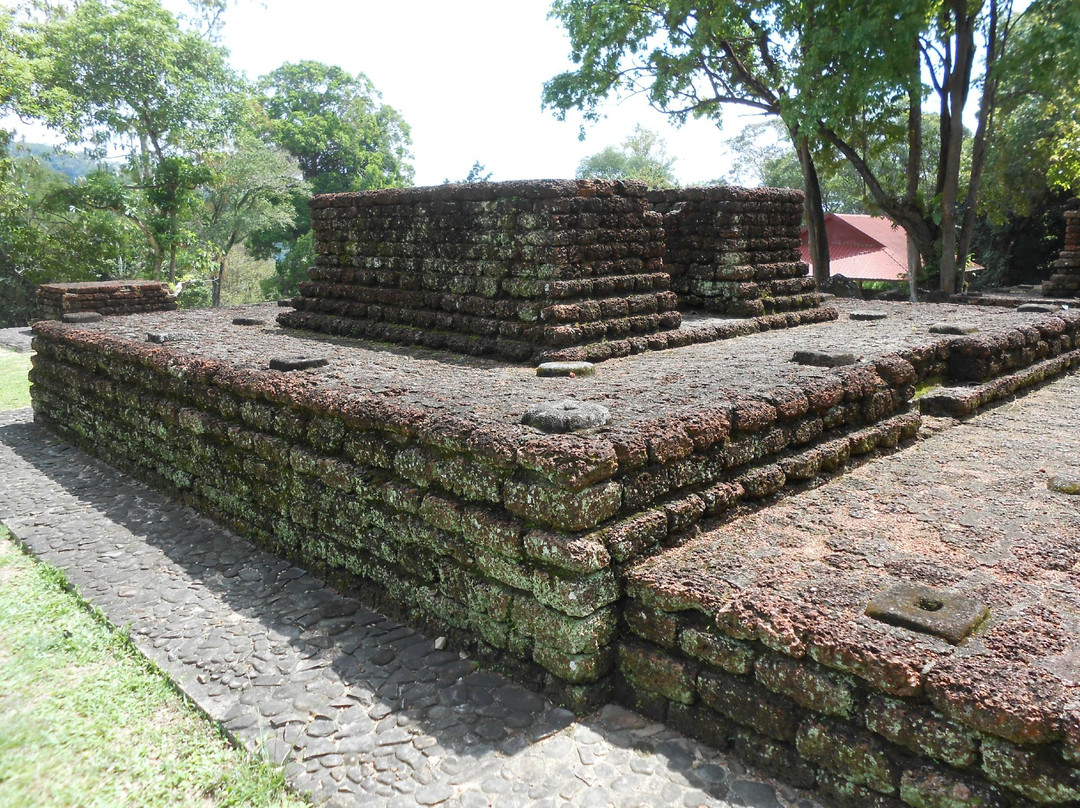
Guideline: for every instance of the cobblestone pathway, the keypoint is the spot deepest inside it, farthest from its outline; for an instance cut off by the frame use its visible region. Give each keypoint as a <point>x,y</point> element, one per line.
<point>360,709</point>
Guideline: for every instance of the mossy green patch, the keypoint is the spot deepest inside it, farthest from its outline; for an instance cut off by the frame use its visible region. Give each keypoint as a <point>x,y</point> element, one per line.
<point>14,380</point>
<point>89,722</point>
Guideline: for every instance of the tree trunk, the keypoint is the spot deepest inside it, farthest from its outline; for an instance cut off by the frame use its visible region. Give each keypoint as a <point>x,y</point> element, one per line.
<point>814,213</point>
<point>172,263</point>
<point>914,264</point>
<point>914,164</point>
<point>957,88</point>
<point>215,285</point>
<point>995,43</point>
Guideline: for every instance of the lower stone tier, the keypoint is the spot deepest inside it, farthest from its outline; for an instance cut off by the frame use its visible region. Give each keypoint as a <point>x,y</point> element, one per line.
<point>513,542</point>
<point>624,338</point>
<point>768,634</point>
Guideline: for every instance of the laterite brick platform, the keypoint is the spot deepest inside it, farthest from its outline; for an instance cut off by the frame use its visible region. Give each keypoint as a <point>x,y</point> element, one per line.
<point>513,269</point>
<point>54,300</point>
<point>407,471</point>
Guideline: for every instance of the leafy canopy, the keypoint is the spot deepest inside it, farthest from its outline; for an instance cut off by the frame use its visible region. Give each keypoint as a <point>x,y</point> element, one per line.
<point>335,125</point>
<point>641,157</point>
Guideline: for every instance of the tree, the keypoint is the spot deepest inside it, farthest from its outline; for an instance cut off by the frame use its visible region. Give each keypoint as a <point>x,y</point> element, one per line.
<point>342,135</point>
<point>179,101</point>
<point>691,60</point>
<point>842,77</point>
<point>1036,151</point>
<point>252,190</point>
<point>43,239</point>
<point>641,157</point>
<point>334,124</point>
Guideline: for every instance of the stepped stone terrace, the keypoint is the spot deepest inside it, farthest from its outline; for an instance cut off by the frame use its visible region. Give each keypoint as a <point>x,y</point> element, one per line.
<point>622,560</point>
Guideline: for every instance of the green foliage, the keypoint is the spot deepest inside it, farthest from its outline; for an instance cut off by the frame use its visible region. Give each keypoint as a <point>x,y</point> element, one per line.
<point>79,693</point>
<point>253,190</point>
<point>45,235</point>
<point>344,139</point>
<point>846,81</point>
<point>336,127</point>
<point>83,59</point>
<point>292,267</point>
<point>195,292</point>
<point>641,157</point>
<point>478,173</point>
<point>71,165</point>
<point>182,99</point>
<point>1036,150</point>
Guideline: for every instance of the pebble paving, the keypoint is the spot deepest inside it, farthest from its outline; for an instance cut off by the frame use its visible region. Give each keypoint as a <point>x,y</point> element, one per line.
<point>358,708</point>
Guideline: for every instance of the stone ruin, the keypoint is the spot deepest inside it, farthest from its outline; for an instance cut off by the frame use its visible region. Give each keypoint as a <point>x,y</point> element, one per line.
<point>1065,280</point>
<point>736,250</point>
<point>553,554</point>
<point>551,270</point>
<point>55,301</point>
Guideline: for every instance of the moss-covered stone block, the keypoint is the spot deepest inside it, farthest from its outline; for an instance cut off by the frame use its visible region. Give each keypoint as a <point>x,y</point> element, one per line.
<point>547,504</point>
<point>651,624</point>
<point>776,757</point>
<point>845,751</point>
<point>442,512</point>
<point>732,656</point>
<point>575,635</point>
<point>807,684</point>
<point>493,531</point>
<point>503,569</point>
<point>653,673</point>
<point>628,537</point>
<point>931,787</point>
<point>921,730</point>
<point>574,668</point>
<point>738,698</point>
<point>1030,771</point>
<point>579,554</point>
<point>576,596</point>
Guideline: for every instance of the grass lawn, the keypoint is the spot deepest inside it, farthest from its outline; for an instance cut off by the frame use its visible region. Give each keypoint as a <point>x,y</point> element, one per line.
<point>86,721</point>
<point>14,384</point>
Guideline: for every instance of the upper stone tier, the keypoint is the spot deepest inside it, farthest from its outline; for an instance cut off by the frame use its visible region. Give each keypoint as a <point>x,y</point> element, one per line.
<point>518,270</point>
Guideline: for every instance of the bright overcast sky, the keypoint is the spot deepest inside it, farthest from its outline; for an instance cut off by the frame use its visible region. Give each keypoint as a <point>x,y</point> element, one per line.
<point>467,76</point>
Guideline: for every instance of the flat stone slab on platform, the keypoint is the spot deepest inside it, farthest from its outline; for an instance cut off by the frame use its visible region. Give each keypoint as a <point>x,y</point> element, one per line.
<point>361,709</point>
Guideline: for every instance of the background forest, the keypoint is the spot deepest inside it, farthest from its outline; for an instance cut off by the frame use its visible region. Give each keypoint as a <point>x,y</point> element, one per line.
<point>958,120</point>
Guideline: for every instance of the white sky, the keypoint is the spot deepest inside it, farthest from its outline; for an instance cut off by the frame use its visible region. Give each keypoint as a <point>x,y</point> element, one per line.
<point>467,76</point>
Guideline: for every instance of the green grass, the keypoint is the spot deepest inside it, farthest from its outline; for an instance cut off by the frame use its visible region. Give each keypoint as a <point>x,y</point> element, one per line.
<point>14,384</point>
<point>86,721</point>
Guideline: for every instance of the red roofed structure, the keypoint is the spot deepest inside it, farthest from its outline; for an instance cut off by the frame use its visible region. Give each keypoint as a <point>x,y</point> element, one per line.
<point>866,248</point>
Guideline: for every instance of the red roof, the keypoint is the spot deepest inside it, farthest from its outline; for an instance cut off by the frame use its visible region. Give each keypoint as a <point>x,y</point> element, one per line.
<point>863,247</point>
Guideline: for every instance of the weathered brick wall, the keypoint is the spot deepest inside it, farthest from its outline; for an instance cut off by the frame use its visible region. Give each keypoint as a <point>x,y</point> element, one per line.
<point>852,720</point>
<point>513,269</point>
<point>1065,281</point>
<point>502,533</point>
<point>531,546</point>
<point>736,250</point>
<point>54,300</point>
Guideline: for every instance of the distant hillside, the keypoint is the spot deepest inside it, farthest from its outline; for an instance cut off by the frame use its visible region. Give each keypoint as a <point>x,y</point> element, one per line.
<point>71,165</point>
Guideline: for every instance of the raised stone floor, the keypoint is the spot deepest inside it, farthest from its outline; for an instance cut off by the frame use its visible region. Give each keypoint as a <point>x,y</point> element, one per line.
<point>642,387</point>
<point>410,469</point>
<point>976,511</point>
